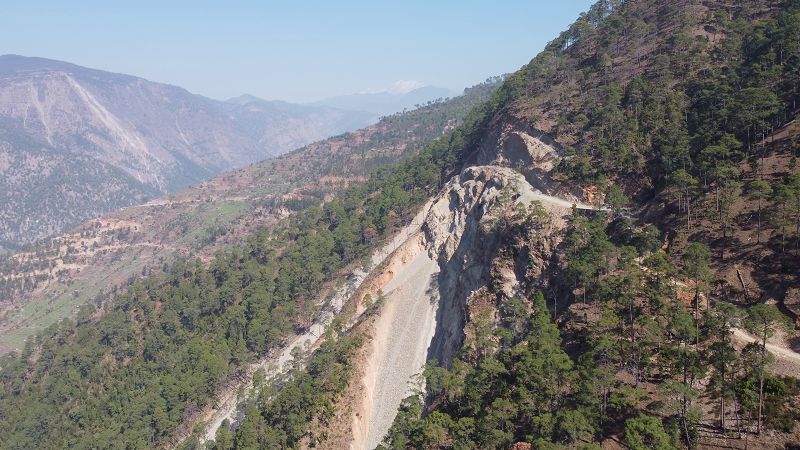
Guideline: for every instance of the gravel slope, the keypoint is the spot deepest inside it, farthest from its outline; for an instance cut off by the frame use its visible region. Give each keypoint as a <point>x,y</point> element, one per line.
<point>403,335</point>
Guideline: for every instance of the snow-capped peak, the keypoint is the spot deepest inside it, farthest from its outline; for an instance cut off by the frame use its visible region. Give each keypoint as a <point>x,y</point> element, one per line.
<point>398,88</point>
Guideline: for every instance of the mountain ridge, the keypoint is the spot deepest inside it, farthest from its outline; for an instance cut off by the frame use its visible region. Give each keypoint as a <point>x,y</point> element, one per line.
<point>397,88</point>
<point>161,137</point>
<point>579,295</point>
<point>207,217</point>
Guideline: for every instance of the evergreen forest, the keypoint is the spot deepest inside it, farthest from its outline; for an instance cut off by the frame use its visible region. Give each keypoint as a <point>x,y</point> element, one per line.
<point>676,115</point>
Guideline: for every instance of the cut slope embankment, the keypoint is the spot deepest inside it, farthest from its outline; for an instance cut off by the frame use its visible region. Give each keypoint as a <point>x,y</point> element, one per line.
<point>402,335</point>
<point>444,252</point>
<point>428,281</point>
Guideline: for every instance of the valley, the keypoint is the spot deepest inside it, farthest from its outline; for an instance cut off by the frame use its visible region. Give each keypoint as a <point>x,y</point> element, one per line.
<point>77,143</point>
<point>197,222</point>
<point>597,251</point>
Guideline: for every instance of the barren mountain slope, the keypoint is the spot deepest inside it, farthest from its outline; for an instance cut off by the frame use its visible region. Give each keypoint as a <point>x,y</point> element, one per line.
<point>155,138</point>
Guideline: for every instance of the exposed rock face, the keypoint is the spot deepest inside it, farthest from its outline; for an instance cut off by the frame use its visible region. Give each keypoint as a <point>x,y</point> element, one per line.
<point>460,234</point>
<point>450,263</point>
<point>531,151</point>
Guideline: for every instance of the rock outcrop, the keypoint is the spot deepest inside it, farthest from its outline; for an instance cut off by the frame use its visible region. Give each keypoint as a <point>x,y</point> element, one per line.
<point>438,277</point>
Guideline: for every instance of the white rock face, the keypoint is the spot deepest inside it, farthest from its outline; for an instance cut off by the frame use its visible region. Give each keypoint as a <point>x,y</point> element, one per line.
<point>433,275</point>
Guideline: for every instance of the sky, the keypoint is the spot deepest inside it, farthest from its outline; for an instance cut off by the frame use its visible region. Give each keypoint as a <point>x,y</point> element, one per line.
<point>293,50</point>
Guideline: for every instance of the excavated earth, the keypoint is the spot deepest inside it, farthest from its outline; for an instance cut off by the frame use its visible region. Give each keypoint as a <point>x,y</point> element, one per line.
<point>431,276</point>
<point>430,280</point>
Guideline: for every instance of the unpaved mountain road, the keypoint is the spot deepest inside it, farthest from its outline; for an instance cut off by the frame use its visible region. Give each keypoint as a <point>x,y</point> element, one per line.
<point>787,361</point>
<point>780,352</point>
<point>558,201</point>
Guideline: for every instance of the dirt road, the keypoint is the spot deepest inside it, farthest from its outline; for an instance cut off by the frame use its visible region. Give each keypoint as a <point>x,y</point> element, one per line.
<point>779,352</point>
<point>787,361</point>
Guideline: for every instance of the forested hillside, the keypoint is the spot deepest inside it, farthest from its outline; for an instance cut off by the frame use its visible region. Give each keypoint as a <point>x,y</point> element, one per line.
<point>650,321</point>
<point>51,278</point>
<point>675,114</point>
<point>132,376</point>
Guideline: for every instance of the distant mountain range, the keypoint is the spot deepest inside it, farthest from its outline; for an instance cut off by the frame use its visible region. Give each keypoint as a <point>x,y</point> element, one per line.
<point>395,98</point>
<point>76,143</point>
<point>210,216</point>
<point>327,120</point>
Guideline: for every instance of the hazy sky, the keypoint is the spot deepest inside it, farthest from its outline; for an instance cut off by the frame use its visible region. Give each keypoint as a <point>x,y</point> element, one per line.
<point>292,50</point>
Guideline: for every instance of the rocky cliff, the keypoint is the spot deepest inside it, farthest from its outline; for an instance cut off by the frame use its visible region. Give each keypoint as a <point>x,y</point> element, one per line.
<point>436,283</point>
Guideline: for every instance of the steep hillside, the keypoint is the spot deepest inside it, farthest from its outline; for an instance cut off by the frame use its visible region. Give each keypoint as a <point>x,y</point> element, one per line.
<point>665,337</point>
<point>62,122</point>
<point>686,107</point>
<point>196,329</point>
<point>560,262</point>
<point>48,280</point>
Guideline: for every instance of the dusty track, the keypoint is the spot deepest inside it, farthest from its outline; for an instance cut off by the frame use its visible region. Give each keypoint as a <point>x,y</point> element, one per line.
<point>787,361</point>
<point>780,352</point>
